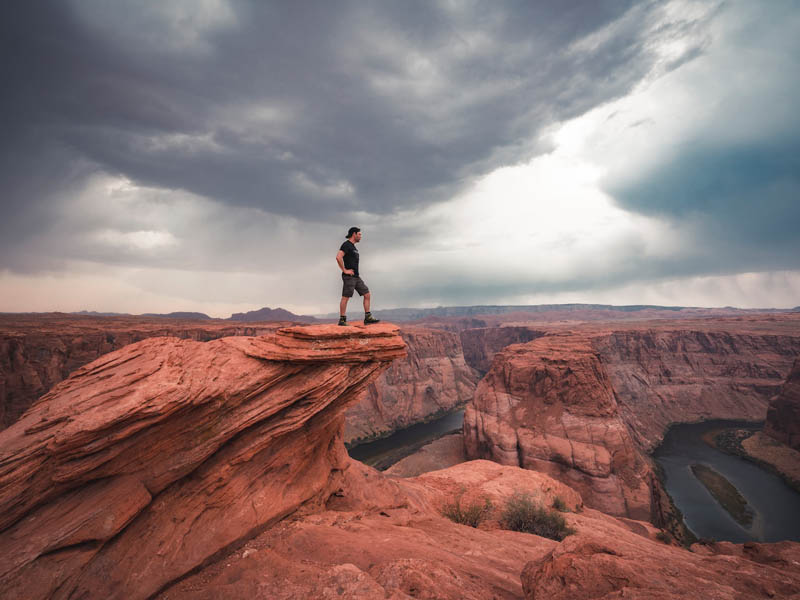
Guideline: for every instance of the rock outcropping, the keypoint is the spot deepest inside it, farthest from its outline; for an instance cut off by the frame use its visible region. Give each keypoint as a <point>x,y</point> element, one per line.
<point>783,414</point>
<point>549,406</point>
<point>38,351</point>
<point>144,464</point>
<point>432,380</point>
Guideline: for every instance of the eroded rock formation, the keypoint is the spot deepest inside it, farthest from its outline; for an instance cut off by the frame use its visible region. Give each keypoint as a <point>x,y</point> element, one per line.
<point>549,406</point>
<point>783,414</point>
<point>144,464</point>
<point>432,380</point>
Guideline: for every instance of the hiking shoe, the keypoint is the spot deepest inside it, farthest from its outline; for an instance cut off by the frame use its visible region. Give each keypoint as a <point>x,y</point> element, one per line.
<point>369,319</point>
<point>342,320</point>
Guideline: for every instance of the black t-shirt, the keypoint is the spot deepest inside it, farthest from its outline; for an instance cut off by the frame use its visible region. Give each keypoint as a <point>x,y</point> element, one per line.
<point>350,256</point>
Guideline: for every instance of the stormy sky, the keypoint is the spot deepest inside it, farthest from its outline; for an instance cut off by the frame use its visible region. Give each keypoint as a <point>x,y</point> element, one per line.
<point>210,155</point>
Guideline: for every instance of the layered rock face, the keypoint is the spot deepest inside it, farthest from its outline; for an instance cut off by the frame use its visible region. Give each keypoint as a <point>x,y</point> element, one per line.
<point>671,376</point>
<point>783,414</point>
<point>38,351</point>
<point>586,406</point>
<point>431,380</point>
<point>480,345</point>
<point>144,464</point>
<point>549,406</point>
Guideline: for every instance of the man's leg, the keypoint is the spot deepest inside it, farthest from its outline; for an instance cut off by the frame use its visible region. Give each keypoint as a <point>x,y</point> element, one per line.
<point>368,318</point>
<point>343,310</point>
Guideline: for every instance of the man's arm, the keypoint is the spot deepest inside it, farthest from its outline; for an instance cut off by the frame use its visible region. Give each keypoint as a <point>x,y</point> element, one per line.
<point>340,261</point>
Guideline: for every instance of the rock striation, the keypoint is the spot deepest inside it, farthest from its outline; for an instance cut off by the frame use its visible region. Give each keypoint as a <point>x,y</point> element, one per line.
<point>549,406</point>
<point>146,463</point>
<point>783,414</point>
<point>38,351</point>
<point>432,380</point>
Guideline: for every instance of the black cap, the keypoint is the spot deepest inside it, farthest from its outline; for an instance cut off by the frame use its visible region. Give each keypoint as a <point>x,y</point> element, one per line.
<point>351,231</point>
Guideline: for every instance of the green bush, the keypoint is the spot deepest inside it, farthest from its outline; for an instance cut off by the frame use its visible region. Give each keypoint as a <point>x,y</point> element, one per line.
<point>664,536</point>
<point>521,513</point>
<point>559,504</point>
<point>473,514</point>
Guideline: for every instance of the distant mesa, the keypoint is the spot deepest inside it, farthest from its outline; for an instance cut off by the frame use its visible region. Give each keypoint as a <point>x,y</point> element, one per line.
<point>271,314</point>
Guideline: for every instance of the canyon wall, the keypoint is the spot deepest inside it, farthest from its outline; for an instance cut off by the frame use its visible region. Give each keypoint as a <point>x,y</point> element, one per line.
<point>783,414</point>
<point>481,344</point>
<point>144,464</point>
<point>587,406</point>
<point>433,379</point>
<point>662,377</point>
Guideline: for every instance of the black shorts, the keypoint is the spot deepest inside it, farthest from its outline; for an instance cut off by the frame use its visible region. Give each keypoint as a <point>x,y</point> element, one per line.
<point>350,283</point>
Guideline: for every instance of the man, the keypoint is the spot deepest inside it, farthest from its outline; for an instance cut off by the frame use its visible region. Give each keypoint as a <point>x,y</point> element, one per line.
<point>347,259</point>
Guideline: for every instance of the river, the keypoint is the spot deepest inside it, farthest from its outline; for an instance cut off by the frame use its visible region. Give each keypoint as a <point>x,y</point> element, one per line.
<point>776,505</point>
<point>383,453</point>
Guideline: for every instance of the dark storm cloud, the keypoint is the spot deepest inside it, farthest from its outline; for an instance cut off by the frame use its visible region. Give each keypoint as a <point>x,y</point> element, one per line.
<point>746,193</point>
<point>733,178</point>
<point>311,110</point>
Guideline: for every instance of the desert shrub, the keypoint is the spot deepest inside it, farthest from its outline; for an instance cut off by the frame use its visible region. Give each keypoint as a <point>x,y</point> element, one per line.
<point>664,536</point>
<point>559,504</point>
<point>473,514</point>
<point>522,513</point>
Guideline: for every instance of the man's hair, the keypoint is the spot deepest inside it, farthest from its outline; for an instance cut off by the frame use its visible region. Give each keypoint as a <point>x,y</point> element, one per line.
<point>351,231</point>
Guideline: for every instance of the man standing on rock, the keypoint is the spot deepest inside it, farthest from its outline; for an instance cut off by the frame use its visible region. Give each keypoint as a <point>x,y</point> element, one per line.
<point>347,259</point>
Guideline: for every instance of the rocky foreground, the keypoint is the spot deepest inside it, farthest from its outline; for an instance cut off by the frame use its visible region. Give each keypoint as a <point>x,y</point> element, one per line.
<point>181,469</point>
